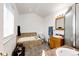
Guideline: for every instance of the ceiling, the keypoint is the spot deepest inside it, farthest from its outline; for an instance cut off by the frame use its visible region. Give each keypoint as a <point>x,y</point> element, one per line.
<point>42,9</point>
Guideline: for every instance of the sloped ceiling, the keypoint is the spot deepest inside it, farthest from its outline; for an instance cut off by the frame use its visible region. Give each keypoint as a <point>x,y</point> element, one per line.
<point>42,9</point>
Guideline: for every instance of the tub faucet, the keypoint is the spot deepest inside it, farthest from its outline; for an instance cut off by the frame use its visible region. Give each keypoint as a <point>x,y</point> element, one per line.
<point>3,54</point>
<point>78,54</point>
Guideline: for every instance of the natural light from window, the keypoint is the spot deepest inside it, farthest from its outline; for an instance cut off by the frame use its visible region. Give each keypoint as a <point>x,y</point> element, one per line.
<point>8,23</point>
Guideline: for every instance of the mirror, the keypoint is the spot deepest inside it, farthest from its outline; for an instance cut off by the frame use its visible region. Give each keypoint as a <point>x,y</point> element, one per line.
<point>59,23</point>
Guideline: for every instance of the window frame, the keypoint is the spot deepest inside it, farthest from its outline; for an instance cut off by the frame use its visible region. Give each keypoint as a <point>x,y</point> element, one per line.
<point>10,10</point>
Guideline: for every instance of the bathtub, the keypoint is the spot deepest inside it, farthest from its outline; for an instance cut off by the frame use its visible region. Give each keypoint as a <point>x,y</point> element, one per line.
<point>66,52</point>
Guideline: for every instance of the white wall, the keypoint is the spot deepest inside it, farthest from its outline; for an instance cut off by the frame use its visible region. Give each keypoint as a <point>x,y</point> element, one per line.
<point>10,41</point>
<point>31,22</point>
<point>50,21</point>
<point>1,27</point>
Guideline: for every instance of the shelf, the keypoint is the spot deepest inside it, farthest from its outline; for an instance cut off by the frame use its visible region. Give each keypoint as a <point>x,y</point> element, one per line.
<point>59,17</point>
<point>59,28</point>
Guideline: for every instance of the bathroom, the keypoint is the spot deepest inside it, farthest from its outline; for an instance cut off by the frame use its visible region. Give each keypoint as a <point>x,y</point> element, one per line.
<point>60,28</point>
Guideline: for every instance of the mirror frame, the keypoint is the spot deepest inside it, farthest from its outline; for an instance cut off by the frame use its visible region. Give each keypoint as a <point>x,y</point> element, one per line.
<point>58,18</point>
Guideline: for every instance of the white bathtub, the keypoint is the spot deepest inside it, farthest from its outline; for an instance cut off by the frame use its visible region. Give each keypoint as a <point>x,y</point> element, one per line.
<point>66,52</point>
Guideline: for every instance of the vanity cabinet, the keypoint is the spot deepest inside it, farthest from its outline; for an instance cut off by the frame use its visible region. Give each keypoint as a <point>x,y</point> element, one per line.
<point>56,42</point>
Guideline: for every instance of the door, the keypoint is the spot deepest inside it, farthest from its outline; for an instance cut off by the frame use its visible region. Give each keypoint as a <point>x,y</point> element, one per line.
<point>68,28</point>
<point>77,25</point>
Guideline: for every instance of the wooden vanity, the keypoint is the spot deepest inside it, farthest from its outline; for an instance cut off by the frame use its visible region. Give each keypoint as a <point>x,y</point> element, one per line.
<point>56,41</point>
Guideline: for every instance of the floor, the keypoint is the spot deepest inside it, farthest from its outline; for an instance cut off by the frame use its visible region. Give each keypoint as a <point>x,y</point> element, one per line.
<point>37,51</point>
<point>42,50</point>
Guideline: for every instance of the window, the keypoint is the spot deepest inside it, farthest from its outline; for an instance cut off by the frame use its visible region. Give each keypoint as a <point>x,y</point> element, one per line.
<point>8,23</point>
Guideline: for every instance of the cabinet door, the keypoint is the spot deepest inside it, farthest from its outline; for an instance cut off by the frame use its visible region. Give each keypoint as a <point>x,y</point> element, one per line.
<point>57,42</point>
<point>52,43</point>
